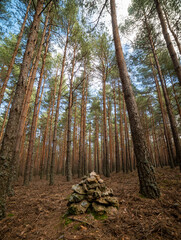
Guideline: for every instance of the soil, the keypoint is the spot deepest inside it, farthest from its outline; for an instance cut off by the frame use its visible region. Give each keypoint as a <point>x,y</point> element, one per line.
<point>37,212</point>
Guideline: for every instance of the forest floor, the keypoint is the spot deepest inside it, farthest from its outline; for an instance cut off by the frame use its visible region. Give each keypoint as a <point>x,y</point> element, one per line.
<point>36,212</point>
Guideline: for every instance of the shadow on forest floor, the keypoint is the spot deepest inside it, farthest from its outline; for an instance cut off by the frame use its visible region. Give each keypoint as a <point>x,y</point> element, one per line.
<point>36,212</point>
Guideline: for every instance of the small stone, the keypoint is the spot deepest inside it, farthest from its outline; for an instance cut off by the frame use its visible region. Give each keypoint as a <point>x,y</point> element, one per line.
<point>79,208</point>
<point>102,201</point>
<point>97,193</point>
<point>92,174</point>
<point>91,180</point>
<point>90,192</point>
<point>112,211</point>
<point>82,182</point>
<point>100,180</point>
<point>98,177</point>
<point>90,198</point>
<point>78,189</point>
<point>100,209</point>
<point>107,192</point>
<point>92,186</point>
<point>113,201</point>
<point>84,186</point>
<point>75,198</point>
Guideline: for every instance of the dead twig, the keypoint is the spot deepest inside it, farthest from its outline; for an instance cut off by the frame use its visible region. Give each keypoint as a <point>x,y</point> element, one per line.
<point>78,220</point>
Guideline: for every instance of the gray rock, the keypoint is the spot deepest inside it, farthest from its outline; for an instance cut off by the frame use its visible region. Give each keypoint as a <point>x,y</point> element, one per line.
<point>97,193</point>
<point>75,198</point>
<point>100,181</point>
<point>112,211</point>
<point>107,192</point>
<point>79,208</point>
<point>92,174</point>
<point>112,201</point>
<point>102,200</point>
<point>78,189</point>
<point>91,180</point>
<point>98,208</point>
<point>92,186</point>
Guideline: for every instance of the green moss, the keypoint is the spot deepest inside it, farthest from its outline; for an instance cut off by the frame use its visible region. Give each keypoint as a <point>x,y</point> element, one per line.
<point>97,216</point>
<point>10,215</point>
<point>64,220</point>
<point>68,221</point>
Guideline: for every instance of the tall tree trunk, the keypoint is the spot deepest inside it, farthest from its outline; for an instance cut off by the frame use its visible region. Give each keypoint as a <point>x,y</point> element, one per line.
<point>44,140</point>
<point>30,89</point>
<point>14,54</point>
<point>148,185</point>
<point>110,139</point>
<point>176,98</point>
<point>74,154</point>
<point>121,133</point>
<point>50,129</point>
<point>29,159</point>
<point>84,130</point>
<point>168,41</point>
<point>9,140</point>
<point>69,159</point>
<point>126,137</point>
<point>106,154</point>
<point>167,102</point>
<point>5,118</point>
<point>57,113</point>
<point>90,152</point>
<point>81,141</point>
<point>118,168</point>
<point>166,130</point>
<point>172,31</point>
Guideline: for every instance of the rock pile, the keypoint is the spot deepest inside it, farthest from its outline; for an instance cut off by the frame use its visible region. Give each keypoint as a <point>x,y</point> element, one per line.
<point>92,193</point>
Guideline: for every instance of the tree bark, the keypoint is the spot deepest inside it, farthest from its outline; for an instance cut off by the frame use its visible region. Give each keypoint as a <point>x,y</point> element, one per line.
<point>5,118</point>
<point>69,159</point>
<point>118,167</point>
<point>14,54</point>
<point>148,185</point>
<point>57,113</point>
<point>167,102</point>
<point>9,140</point>
<point>168,41</point>
<point>30,89</point>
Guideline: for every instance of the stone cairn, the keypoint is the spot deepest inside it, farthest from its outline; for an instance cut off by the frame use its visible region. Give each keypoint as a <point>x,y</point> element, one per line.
<point>92,193</point>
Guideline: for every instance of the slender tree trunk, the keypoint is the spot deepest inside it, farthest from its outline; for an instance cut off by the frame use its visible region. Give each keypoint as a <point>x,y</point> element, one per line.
<point>57,113</point>
<point>74,154</point>
<point>148,185</point>
<point>121,133</point>
<point>110,139</point>
<point>172,31</point>
<point>29,160</point>
<point>176,98</point>
<point>81,143</point>
<point>84,130</point>
<point>168,41</point>
<point>118,167</point>
<point>167,102</point>
<point>5,118</point>
<point>30,89</point>
<point>106,154</point>
<point>6,153</point>
<point>44,141</point>
<point>69,159</point>
<point>90,152</point>
<point>166,130</point>
<point>50,131</point>
<point>14,54</point>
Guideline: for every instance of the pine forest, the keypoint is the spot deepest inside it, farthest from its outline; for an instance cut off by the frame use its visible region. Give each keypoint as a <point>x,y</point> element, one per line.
<point>90,119</point>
